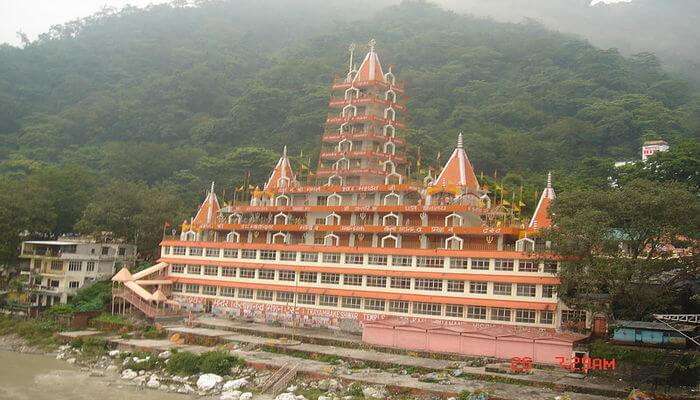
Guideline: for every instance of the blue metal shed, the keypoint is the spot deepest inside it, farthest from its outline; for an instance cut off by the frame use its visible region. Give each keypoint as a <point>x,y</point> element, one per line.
<point>654,333</point>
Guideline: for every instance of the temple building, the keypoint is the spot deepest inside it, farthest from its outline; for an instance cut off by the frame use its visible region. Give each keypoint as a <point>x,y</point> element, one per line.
<point>358,240</point>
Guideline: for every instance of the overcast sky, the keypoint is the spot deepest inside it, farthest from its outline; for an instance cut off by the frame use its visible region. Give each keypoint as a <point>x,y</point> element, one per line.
<point>37,16</point>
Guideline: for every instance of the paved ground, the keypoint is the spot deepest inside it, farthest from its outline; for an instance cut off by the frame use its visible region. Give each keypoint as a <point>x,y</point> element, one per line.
<point>78,334</point>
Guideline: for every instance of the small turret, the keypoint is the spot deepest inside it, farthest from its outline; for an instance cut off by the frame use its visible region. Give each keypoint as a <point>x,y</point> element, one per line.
<point>541,219</point>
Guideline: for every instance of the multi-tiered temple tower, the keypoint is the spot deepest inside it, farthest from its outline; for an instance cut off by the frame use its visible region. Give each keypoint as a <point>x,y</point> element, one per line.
<point>361,241</point>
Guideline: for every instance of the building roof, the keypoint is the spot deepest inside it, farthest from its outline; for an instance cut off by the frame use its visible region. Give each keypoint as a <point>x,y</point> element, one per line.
<point>282,172</point>
<point>208,210</point>
<point>541,219</point>
<point>654,326</point>
<point>458,171</point>
<point>122,276</point>
<point>371,68</point>
<point>51,242</point>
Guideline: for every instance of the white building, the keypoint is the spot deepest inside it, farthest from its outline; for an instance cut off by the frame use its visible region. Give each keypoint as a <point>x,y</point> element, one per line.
<point>651,147</point>
<point>58,268</point>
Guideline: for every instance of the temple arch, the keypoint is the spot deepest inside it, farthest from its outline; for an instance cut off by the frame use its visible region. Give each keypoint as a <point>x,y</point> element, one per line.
<point>453,220</point>
<point>389,113</point>
<point>281,219</point>
<point>390,95</point>
<point>332,219</point>
<point>233,237</point>
<point>350,111</point>
<point>389,131</point>
<point>390,241</point>
<point>390,219</point>
<point>282,200</point>
<point>392,199</point>
<point>344,146</point>
<point>280,238</point>
<point>454,242</point>
<point>331,240</point>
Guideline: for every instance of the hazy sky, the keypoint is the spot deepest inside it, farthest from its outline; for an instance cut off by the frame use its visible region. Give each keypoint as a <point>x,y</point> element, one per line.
<point>37,16</point>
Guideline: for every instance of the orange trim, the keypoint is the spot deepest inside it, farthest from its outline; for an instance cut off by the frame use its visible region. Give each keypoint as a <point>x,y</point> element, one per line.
<point>372,294</point>
<point>442,210</point>
<point>415,230</point>
<point>350,189</point>
<point>361,250</point>
<point>336,137</point>
<point>333,155</point>
<point>542,280</point>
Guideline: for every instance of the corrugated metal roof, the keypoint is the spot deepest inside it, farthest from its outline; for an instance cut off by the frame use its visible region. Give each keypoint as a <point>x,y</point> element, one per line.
<point>655,326</point>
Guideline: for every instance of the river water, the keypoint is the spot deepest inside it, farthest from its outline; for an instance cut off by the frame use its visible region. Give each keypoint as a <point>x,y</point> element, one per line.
<point>41,377</point>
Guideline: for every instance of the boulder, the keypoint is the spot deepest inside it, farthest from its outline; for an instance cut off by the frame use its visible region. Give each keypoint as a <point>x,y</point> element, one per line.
<point>186,389</point>
<point>153,382</point>
<point>165,355</point>
<point>114,353</point>
<point>324,398</point>
<point>232,395</point>
<point>286,396</point>
<point>129,374</point>
<point>96,373</point>
<point>373,393</point>
<point>71,360</point>
<point>236,384</point>
<point>208,381</point>
<point>112,368</point>
<point>246,396</point>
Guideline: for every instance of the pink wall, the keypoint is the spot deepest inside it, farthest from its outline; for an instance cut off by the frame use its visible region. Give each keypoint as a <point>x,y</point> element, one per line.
<point>443,341</point>
<point>473,343</point>
<point>512,346</point>
<point>547,351</point>
<point>406,337</point>
<point>378,335</point>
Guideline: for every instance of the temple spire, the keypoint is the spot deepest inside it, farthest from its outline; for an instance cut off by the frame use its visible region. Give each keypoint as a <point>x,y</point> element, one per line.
<point>458,170</point>
<point>540,218</point>
<point>208,210</point>
<point>371,68</point>
<point>460,141</point>
<point>351,62</point>
<point>549,180</point>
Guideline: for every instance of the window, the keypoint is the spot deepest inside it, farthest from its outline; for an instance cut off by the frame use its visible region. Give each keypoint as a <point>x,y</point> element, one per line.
<point>330,279</point>
<point>265,295</point>
<point>192,288</point>
<point>548,291</point>
<point>400,283</point>
<point>352,280</point>
<point>268,255</point>
<point>500,314</point>
<point>550,267</point>
<point>401,261</point>
<point>211,270</point>
<point>245,293</point>
<point>430,262</point>
<point>427,308</point>
<point>308,277</point>
<point>53,283</point>
<point>75,266</point>
<point>179,250</point>
<point>248,254</point>
<point>454,310</point>
<point>105,250</point>
<point>228,291</point>
<point>209,290</point>
<point>56,265</point>
<point>285,297</point>
<point>357,259</point>
<point>374,304</point>
<point>429,284</point>
<point>177,287</point>
<point>398,306</point>
<point>455,286</point>
<point>231,253</point>
<point>481,264</point>
<point>287,275</point>
<point>212,252</point>
<point>475,312</point>
<point>376,281</point>
<point>246,273</point>
<point>195,251</point>
<point>351,302</point>
<point>527,316</point>
<point>194,269</point>
<point>177,268</point>
<point>525,290</point>
<point>228,271</point>
<point>268,274</point>
<point>459,263</point>
<point>503,289</point>
<point>90,266</point>
<point>477,287</point>
<point>122,251</point>
<point>377,259</point>
<point>573,316</point>
<point>546,317</point>
<point>288,256</point>
<point>504,265</point>
<point>309,257</point>
<point>527,266</point>
<point>73,284</point>
<point>333,258</point>
<point>306,298</point>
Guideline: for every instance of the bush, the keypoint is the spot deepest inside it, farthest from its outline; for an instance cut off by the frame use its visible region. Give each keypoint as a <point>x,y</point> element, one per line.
<point>183,363</point>
<point>37,332</point>
<point>147,362</point>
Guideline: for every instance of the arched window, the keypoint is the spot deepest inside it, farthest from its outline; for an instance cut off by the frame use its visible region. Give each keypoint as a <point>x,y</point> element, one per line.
<point>454,243</point>
<point>390,78</point>
<point>392,199</point>
<point>283,182</point>
<point>334,200</point>
<point>389,166</point>
<point>280,238</point>
<point>389,131</point>
<point>335,180</point>
<point>344,128</point>
<point>343,163</point>
<point>352,92</point>
<point>349,111</point>
<point>281,218</point>
<point>189,236</point>
<point>235,218</point>
<point>331,240</point>
<point>389,148</point>
<point>390,241</point>
<point>389,113</point>
<point>525,244</point>
<point>390,95</point>
<point>233,237</point>
<point>344,146</point>
<point>333,219</point>
<point>453,220</point>
<point>390,219</point>
<point>282,200</point>
<point>392,179</point>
